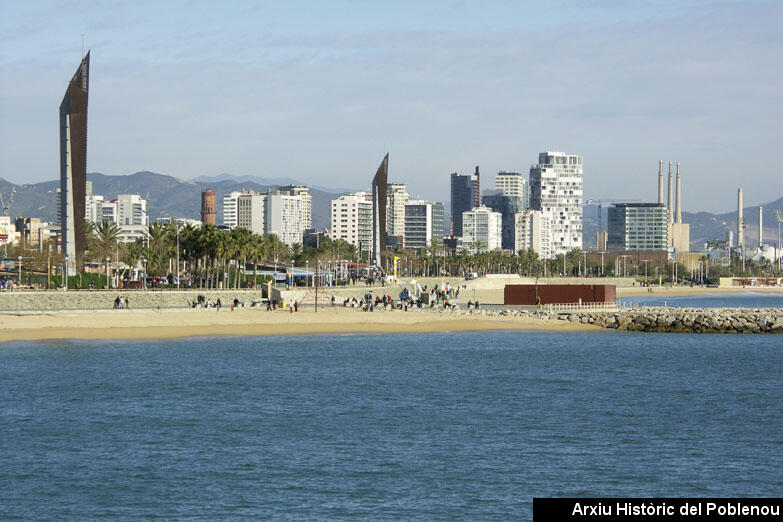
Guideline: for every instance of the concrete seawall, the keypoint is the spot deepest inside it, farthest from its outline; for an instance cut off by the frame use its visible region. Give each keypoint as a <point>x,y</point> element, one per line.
<point>104,299</point>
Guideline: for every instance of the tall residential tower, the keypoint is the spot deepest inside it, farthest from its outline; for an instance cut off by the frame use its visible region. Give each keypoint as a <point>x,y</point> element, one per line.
<point>556,187</point>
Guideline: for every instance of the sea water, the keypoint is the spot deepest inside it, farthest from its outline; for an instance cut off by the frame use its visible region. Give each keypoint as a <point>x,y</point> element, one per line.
<point>434,426</point>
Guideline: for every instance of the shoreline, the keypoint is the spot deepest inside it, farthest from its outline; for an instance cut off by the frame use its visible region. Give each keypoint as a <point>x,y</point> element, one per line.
<point>168,324</point>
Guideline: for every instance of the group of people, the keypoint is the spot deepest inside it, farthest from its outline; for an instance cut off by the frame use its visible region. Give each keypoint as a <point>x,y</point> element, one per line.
<point>120,304</point>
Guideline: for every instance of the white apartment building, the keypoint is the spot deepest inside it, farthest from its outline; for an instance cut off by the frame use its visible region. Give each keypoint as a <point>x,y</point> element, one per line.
<point>128,211</point>
<point>230,209</point>
<point>513,184</point>
<point>556,188</point>
<point>307,202</point>
<point>93,208</point>
<point>532,231</point>
<point>7,231</point>
<point>283,217</point>
<point>482,229</point>
<point>352,220</point>
<point>396,198</point>
<point>250,211</point>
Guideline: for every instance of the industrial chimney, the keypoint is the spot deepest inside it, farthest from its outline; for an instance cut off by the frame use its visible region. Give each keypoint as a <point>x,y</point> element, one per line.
<point>740,238</point>
<point>660,182</point>
<point>670,203</point>
<point>761,225</point>
<point>679,196</point>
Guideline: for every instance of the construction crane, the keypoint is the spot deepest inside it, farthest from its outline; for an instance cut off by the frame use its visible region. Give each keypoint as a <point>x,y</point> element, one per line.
<point>7,208</point>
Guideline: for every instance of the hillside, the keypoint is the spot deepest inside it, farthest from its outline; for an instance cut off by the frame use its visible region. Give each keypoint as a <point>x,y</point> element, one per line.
<point>166,196</point>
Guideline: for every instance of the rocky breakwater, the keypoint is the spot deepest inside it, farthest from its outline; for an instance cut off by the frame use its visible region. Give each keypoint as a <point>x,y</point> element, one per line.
<point>685,320</point>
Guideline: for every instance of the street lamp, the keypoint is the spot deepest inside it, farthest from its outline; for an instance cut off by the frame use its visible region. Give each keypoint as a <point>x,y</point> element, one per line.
<point>65,271</point>
<point>144,275</point>
<point>107,273</point>
<point>307,271</point>
<point>292,274</point>
<point>176,225</point>
<point>19,259</point>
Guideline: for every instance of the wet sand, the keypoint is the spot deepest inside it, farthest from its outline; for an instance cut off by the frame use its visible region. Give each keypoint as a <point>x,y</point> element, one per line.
<point>169,324</point>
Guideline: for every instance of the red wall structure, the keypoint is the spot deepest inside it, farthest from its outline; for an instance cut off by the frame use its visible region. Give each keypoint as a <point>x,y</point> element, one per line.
<point>558,294</point>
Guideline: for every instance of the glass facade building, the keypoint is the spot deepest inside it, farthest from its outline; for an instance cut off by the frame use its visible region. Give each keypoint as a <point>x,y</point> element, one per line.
<point>638,226</point>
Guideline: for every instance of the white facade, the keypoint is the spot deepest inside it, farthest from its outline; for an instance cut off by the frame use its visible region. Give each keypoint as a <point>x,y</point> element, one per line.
<point>352,220</point>
<point>93,208</point>
<point>556,188</point>
<point>131,210</point>
<point>532,231</point>
<point>7,231</point>
<point>513,184</point>
<point>397,196</point>
<point>482,229</point>
<point>128,211</point>
<point>283,217</point>
<point>230,209</point>
<point>307,202</point>
<point>250,211</point>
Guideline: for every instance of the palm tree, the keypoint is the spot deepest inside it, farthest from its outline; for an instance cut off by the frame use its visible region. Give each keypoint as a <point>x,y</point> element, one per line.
<point>105,237</point>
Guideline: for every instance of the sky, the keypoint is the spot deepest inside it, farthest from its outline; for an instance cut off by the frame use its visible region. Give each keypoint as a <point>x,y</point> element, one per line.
<point>319,91</point>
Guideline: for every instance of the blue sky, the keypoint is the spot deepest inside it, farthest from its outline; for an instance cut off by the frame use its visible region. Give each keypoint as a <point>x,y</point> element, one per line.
<point>319,91</point>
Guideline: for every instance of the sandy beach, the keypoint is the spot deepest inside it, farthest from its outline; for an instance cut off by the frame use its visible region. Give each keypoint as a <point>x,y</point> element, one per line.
<point>168,324</point>
<point>679,291</point>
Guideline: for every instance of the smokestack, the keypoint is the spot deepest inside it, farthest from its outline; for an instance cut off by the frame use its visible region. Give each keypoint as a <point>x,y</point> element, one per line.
<point>478,187</point>
<point>679,196</point>
<point>670,202</point>
<point>740,238</point>
<point>761,226</point>
<point>730,238</point>
<point>660,182</point>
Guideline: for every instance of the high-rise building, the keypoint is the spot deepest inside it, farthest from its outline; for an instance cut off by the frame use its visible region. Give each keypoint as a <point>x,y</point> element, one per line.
<point>352,220</point>
<point>532,232</point>
<point>93,208</point>
<point>283,217</point>
<point>128,211</point>
<point>307,202</point>
<point>482,229</point>
<point>464,190</point>
<point>230,209</point>
<point>508,206</point>
<point>423,223</point>
<point>73,164</point>
<point>208,207</point>
<point>513,184</point>
<point>638,226</point>
<point>397,197</point>
<point>556,187</point>
<point>250,211</point>
<point>379,183</point>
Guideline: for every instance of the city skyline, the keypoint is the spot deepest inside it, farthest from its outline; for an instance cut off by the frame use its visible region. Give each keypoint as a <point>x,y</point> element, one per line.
<point>283,91</point>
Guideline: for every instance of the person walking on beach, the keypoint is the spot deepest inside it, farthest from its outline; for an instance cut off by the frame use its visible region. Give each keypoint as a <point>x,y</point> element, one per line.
<point>218,304</point>
<point>117,303</point>
<point>127,303</point>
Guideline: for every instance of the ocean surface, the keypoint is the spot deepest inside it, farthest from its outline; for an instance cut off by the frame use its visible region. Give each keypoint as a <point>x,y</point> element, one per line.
<point>467,426</point>
<point>748,299</point>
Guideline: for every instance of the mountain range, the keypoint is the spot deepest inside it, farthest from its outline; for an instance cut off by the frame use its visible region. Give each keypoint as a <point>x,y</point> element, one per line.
<point>168,196</point>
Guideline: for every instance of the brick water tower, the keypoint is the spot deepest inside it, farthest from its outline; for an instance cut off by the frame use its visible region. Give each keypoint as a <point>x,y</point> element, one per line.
<point>208,215</point>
